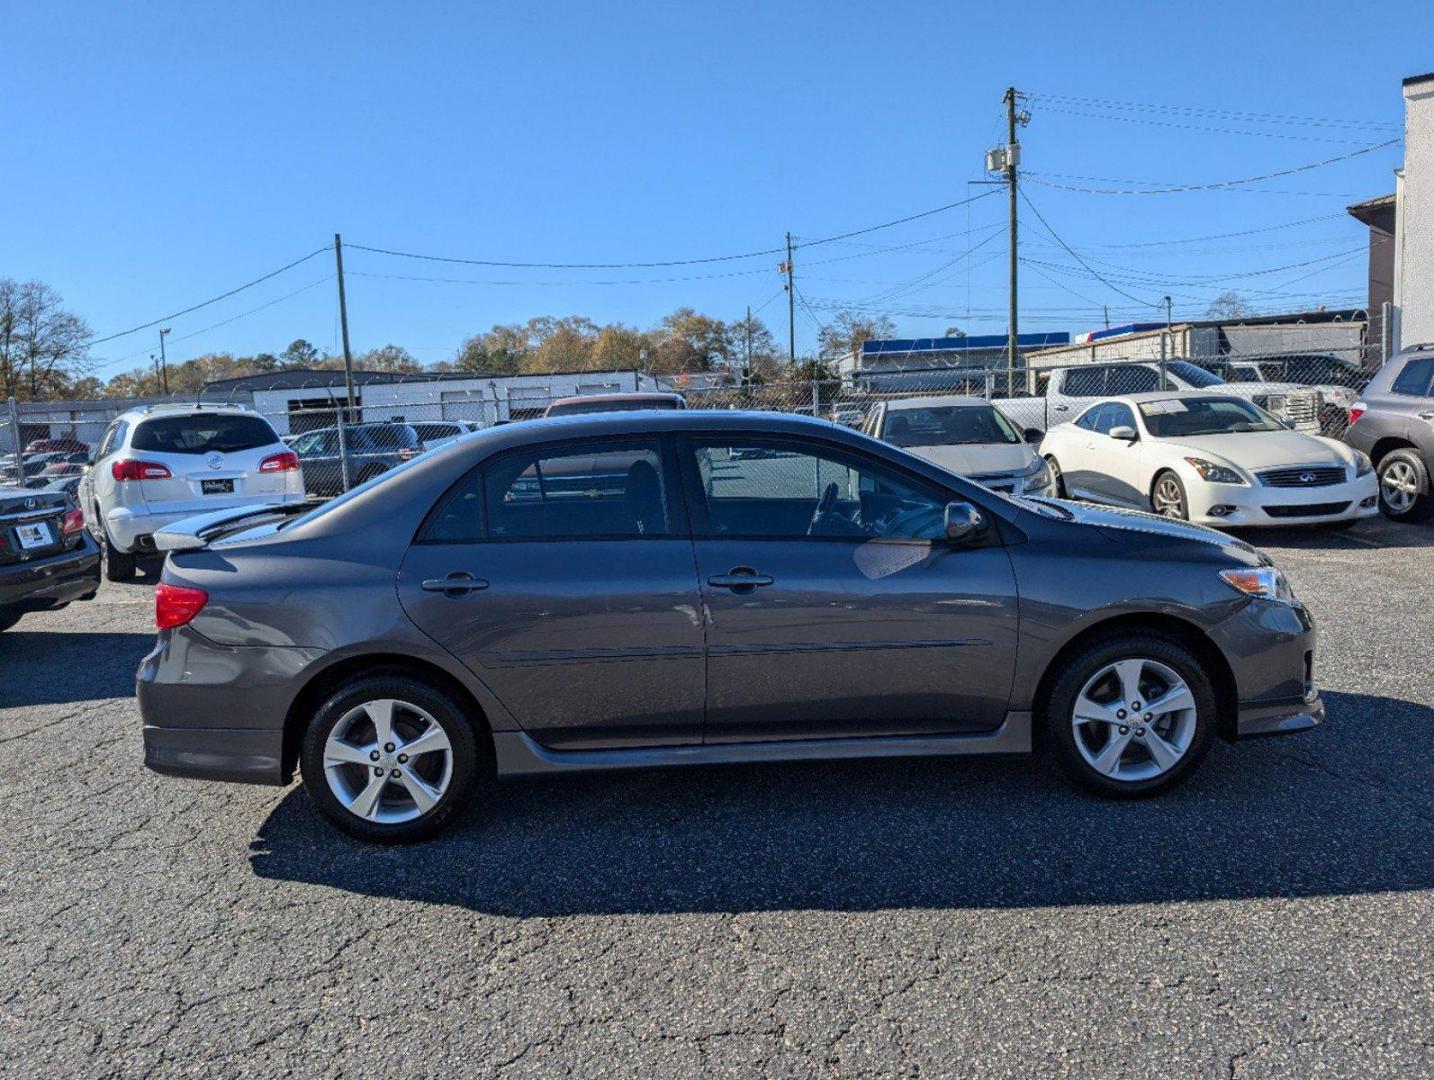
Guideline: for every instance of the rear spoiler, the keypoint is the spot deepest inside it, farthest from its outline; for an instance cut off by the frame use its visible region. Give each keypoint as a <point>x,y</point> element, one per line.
<point>194,533</point>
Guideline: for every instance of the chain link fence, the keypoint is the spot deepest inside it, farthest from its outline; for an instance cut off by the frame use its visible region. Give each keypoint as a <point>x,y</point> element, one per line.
<point>339,446</point>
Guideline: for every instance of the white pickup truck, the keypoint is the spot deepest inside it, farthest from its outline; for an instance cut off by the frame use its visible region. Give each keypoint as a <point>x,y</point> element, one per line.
<point>1071,388</point>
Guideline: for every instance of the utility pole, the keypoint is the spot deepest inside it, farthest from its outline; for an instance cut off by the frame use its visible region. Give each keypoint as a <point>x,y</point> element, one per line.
<point>1013,156</point>
<point>1106,308</point>
<point>748,325</point>
<point>786,268</point>
<point>163,362</point>
<point>1165,337</point>
<point>344,324</point>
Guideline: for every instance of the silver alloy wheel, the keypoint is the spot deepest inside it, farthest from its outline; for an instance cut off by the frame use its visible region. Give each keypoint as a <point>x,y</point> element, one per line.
<point>388,761</point>
<point>1399,486</point>
<point>1168,500</point>
<point>1134,719</point>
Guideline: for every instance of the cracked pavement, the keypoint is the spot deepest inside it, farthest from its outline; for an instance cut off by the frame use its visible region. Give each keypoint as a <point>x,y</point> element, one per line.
<point>1272,917</point>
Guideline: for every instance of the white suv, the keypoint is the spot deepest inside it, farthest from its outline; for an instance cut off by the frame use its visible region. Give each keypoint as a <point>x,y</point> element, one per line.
<point>158,464</point>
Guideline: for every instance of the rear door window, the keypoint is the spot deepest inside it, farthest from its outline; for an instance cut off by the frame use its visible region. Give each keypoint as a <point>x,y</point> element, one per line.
<point>1416,380</point>
<point>1085,382</point>
<point>1133,380</point>
<point>203,434</point>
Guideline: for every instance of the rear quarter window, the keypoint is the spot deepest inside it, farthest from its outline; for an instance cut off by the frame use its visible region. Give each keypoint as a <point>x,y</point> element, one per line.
<point>1416,380</point>
<point>203,434</point>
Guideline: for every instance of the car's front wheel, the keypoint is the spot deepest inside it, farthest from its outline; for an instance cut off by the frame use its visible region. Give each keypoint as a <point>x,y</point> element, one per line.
<point>1404,490</point>
<point>1130,714</point>
<point>390,758</point>
<point>1167,497</point>
<point>1058,480</point>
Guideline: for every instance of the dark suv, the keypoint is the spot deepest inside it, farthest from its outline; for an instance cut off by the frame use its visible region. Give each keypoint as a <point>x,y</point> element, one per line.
<point>1394,424</point>
<point>371,449</point>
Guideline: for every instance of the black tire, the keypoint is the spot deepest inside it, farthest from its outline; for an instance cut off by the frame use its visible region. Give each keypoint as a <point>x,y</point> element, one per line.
<point>1407,462</point>
<point>1058,476</point>
<point>1164,476</point>
<point>8,619</point>
<point>1057,710</point>
<point>470,757</point>
<point>119,565</point>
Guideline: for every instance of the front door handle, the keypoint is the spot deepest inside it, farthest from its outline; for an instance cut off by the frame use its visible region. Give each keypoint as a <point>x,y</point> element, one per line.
<point>458,583</point>
<point>740,579</point>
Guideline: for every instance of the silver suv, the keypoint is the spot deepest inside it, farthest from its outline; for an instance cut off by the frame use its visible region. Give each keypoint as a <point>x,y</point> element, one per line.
<point>1394,424</point>
<point>158,464</point>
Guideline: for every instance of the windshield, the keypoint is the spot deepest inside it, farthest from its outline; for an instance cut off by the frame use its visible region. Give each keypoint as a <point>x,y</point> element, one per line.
<point>203,434</point>
<point>1174,417</point>
<point>947,425</point>
<point>1193,374</point>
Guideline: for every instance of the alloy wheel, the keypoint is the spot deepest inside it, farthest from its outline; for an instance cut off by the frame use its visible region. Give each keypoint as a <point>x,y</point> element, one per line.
<point>388,761</point>
<point>1134,719</point>
<point>1399,486</point>
<point>1168,499</point>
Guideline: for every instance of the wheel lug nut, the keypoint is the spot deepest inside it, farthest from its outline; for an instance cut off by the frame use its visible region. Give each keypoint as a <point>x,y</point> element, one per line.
<point>1148,717</point>
<point>403,759</point>
<point>378,771</point>
<point>1124,730</point>
<point>373,755</point>
<point>1135,705</point>
<point>388,748</point>
<point>1120,714</point>
<point>1140,731</point>
<point>394,773</point>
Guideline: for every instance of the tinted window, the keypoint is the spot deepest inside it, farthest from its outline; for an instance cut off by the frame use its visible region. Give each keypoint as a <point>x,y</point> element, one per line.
<point>947,425</point>
<point>313,443</point>
<point>1090,418</point>
<point>459,517</point>
<point>1193,374</point>
<point>577,492</point>
<point>1242,373</point>
<point>761,489</point>
<point>203,434</point>
<point>1117,415</point>
<point>1417,379</point>
<point>1135,380</point>
<point>427,432</point>
<point>1085,382</point>
<point>1175,417</point>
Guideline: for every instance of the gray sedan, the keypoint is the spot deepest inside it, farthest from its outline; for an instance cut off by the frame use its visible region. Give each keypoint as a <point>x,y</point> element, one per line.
<point>666,588</point>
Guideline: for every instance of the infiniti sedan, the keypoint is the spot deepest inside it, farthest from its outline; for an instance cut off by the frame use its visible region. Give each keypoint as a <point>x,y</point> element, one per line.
<point>656,588</point>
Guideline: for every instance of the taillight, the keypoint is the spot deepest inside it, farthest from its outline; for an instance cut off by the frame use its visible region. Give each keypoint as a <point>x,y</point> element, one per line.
<point>176,605</point>
<point>130,469</point>
<point>1357,410</point>
<point>72,522</point>
<point>287,461</point>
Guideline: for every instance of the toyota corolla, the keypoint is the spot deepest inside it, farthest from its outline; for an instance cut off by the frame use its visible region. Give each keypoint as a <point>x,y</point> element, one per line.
<point>667,588</point>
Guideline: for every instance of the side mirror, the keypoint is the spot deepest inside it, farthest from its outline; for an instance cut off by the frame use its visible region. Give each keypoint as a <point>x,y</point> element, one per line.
<point>963,521</point>
<point>1032,435</point>
<point>1124,433</point>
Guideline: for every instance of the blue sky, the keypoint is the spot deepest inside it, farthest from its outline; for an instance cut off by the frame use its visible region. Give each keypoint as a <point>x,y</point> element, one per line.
<point>159,154</point>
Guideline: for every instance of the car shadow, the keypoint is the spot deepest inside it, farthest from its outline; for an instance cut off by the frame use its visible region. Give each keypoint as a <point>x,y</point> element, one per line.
<point>1263,819</point>
<point>1377,532</point>
<point>40,668</point>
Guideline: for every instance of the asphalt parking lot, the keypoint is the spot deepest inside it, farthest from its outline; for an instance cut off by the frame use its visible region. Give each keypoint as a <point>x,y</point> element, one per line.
<point>1273,917</point>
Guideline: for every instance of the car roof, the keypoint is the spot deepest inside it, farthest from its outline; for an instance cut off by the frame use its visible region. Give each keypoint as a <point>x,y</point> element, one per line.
<point>930,400</point>
<point>1165,395</point>
<point>187,408</point>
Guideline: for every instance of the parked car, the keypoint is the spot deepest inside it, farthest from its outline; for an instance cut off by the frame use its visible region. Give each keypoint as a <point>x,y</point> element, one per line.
<point>66,485</point>
<point>433,433</point>
<point>46,558</point>
<point>968,436</point>
<point>1210,458</point>
<point>66,444</point>
<point>1070,389</point>
<point>849,416</point>
<point>160,463</point>
<point>371,450</point>
<point>840,598</point>
<point>1337,380</point>
<point>55,471</point>
<point>1394,424</point>
<point>593,403</point>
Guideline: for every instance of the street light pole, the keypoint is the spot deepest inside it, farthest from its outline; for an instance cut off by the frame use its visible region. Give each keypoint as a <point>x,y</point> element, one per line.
<point>163,362</point>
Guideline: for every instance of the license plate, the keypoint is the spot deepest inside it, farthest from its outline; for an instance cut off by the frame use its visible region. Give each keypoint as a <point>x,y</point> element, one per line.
<point>33,536</point>
<point>216,487</point>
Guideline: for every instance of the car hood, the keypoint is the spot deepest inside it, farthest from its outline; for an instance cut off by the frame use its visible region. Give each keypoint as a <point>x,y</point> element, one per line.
<point>974,459</point>
<point>1256,450</point>
<point>1130,525</point>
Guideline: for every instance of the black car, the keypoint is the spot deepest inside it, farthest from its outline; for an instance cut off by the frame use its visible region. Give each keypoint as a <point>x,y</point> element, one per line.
<point>371,449</point>
<point>47,558</point>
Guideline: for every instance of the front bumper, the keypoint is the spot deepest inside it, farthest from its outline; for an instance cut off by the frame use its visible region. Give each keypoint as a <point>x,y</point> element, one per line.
<point>1271,649</point>
<point>45,584</point>
<point>1237,506</point>
<point>187,680</point>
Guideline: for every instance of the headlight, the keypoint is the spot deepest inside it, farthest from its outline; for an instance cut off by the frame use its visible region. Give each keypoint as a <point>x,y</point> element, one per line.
<point>1362,465</point>
<point>1216,474</point>
<point>1040,481</point>
<point>1265,582</point>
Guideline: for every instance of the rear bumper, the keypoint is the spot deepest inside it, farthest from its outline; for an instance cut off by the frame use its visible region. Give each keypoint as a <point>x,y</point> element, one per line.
<point>235,754</point>
<point>50,583</point>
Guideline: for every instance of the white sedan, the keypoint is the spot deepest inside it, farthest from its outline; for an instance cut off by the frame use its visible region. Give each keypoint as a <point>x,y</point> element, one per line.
<point>1208,458</point>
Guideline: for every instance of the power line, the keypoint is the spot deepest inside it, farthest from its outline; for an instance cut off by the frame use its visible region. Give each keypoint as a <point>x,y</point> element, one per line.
<point>1070,251</point>
<point>1214,185</point>
<point>1227,236</point>
<point>1194,127</point>
<point>1227,114</point>
<point>206,303</point>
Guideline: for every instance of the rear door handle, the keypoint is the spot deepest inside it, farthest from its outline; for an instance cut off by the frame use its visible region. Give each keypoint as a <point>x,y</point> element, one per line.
<point>458,583</point>
<point>740,579</point>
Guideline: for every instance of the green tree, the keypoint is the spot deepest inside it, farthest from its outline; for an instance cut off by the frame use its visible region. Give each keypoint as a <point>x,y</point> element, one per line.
<point>394,358</point>
<point>848,329</point>
<point>765,361</point>
<point>499,350</point>
<point>300,354</point>
<point>561,344</point>
<point>688,341</point>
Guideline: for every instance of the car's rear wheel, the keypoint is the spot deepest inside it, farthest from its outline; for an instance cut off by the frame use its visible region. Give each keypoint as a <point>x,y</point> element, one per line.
<point>1167,497</point>
<point>1404,493</point>
<point>119,565</point>
<point>390,759</point>
<point>1131,714</point>
<point>1058,479</point>
<point>8,619</point>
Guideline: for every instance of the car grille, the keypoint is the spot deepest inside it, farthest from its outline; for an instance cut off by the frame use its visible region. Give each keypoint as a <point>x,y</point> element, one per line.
<point>1310,510</point>
<point>1303,476</point>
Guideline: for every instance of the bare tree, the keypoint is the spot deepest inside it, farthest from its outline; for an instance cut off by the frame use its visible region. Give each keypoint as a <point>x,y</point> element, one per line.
<point>848,329</point>
<point>42,346</point>
<point>1229,305</point>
